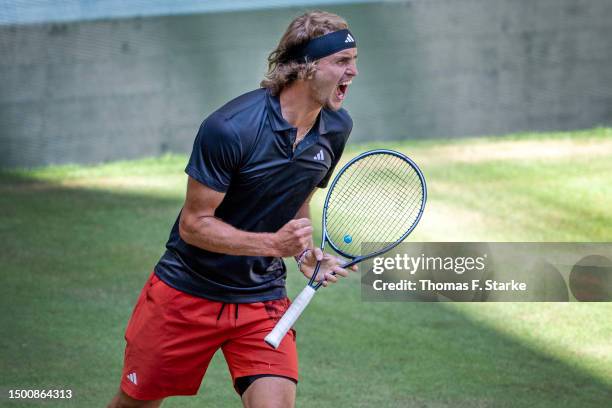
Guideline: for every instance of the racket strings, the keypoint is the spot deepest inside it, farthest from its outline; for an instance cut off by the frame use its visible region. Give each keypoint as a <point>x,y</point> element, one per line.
<point>401,206</point>
<point>377,199</point>
<point>375,226</point>
<point>410,210</point>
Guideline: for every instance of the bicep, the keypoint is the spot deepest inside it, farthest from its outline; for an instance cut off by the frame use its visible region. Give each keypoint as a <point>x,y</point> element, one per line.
<point>201,201</point>
<point>309,197</point>
<point>304,211</point>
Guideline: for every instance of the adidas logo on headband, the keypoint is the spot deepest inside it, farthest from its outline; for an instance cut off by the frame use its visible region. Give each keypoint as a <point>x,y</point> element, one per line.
<point>321,46</point>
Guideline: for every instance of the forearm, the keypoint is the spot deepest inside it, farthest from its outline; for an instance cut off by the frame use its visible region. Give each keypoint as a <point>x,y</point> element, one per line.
<point>212,234</point>
<point>304,212</point>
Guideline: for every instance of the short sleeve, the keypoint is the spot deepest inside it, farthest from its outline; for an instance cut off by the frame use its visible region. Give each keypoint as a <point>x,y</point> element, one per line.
<point>216,154</point>
<point>325,180</point>
<point>338,147</point>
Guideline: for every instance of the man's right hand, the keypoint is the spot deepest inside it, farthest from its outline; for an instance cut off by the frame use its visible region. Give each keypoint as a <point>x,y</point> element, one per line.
<point>294,237</point>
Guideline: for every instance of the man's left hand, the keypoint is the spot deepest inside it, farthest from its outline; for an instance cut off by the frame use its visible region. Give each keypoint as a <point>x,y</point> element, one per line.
<point>330,268</point>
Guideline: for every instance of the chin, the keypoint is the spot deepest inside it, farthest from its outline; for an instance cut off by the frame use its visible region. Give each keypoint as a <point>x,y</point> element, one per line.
<point>333,106</point>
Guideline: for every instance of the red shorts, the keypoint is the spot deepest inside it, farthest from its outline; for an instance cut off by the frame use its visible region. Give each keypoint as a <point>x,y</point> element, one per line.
<point>172,336</point>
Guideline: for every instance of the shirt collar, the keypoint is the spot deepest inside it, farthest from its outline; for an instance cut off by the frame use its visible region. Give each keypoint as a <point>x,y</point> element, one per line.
<point>278,123</point>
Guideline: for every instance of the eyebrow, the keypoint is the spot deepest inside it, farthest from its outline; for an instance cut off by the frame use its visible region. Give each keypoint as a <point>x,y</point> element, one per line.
<point>346,57</point>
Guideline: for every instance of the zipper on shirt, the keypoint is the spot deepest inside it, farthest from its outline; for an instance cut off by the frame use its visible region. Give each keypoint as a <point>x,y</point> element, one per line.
<point>309,139</point>
<point>305,143</point>
<point>292,136</point>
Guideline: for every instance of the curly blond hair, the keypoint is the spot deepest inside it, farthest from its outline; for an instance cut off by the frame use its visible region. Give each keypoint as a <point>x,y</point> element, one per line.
<point>282,71</point>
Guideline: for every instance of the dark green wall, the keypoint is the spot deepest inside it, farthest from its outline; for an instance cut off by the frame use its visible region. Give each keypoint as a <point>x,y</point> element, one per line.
<point>105,90</point>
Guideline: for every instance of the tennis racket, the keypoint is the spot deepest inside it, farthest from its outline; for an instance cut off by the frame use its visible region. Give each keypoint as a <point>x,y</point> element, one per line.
<point>377,197</point>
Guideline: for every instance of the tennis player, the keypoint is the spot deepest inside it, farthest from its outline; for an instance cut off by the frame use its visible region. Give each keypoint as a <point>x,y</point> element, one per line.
<point>221,282</point>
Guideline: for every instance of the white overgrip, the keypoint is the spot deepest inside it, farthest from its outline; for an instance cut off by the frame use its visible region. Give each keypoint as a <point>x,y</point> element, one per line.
<point>290,316</point>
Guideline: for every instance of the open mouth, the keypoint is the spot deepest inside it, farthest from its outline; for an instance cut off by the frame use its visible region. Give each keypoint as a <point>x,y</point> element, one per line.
<point>342,88</point>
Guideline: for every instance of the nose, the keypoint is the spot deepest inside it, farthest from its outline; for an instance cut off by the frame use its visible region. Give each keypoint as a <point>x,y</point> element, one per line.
<point>352,69</point>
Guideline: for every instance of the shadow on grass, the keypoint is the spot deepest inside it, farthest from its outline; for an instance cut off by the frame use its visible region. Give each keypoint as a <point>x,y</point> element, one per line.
<point>74,260</point>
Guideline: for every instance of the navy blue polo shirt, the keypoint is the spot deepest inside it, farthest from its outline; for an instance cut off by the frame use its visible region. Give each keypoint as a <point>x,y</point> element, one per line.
<point>245,150</point>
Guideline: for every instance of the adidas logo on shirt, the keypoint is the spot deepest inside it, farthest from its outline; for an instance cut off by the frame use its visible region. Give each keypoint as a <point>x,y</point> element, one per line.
<point>349,38</point>
<point>320,156</point>
<point>132,377</point>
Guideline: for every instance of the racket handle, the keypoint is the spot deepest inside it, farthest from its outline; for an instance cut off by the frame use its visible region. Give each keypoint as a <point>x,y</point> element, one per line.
<point>290,316</point>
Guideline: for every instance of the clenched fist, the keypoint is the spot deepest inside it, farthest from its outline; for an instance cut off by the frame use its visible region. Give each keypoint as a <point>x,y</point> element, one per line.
<point>293,237</point>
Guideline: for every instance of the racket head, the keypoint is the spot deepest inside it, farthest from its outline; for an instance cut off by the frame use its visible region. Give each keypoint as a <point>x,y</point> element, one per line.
<point>378,196</point>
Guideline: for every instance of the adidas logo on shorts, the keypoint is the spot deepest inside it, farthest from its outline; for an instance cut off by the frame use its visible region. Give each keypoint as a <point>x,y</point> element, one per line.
<point>132,377</point>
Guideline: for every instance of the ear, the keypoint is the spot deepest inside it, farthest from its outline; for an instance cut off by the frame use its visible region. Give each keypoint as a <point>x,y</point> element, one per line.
<point>310,71</point>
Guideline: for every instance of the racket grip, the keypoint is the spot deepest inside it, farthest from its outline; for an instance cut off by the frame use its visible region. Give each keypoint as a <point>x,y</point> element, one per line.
<point>291,315</point>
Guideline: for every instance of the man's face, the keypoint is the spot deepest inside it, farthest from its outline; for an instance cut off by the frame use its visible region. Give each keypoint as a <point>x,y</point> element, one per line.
<point>332,78</point>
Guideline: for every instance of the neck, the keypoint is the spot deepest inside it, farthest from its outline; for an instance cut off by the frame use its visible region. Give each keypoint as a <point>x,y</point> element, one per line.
<point>298,107</point>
